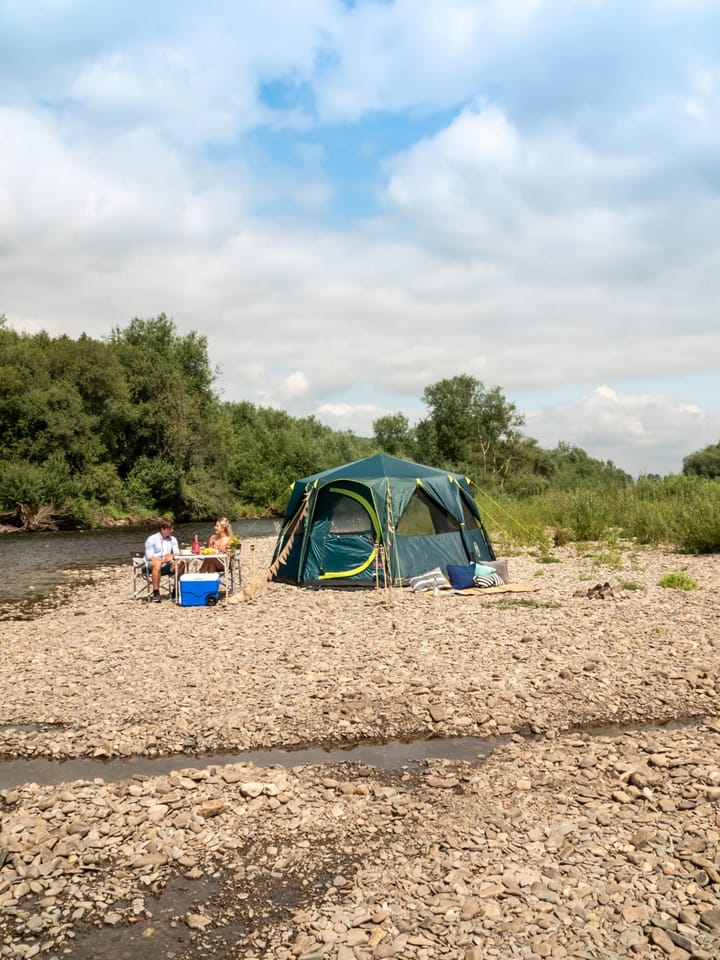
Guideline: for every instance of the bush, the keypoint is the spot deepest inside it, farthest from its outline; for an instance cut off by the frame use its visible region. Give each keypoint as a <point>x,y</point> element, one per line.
<point>101,483</point>
<point>34,485</point>
<point>152,484</point>
<point>677,581</point>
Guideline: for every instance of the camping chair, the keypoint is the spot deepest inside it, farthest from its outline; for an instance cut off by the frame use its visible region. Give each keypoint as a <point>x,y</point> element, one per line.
<point>141,582</point>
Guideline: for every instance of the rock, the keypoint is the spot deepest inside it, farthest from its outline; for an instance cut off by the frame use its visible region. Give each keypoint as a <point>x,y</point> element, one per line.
<point>597,835</point>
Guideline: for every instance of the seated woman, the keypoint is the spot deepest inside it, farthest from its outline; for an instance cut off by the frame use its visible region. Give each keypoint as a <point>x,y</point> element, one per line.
<point>219,541</point>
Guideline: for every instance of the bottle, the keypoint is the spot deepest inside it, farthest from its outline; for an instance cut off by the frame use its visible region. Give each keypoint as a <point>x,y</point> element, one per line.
<point>196,545</point>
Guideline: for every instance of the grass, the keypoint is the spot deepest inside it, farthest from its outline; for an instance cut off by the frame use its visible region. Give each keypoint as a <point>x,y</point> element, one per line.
<point>611,558</point>
<point>677,580</point>
<point>631,585</point>
<point>677,511</point>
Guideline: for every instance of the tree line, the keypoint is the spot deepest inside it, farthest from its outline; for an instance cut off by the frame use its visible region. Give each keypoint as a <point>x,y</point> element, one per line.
<point>132,426</point>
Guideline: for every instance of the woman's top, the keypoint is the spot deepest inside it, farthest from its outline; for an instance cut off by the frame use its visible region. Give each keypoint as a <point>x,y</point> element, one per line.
<point>218,543</point>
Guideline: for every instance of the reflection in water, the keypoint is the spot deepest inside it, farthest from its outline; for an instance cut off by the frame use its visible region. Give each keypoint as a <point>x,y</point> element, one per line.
<point>34,565</point>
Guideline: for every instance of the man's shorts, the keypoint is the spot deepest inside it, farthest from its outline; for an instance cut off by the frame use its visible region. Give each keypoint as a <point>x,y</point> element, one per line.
<point>165,568</point>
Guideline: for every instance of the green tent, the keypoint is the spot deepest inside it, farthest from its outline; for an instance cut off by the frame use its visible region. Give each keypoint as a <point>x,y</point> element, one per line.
<point>377,519</point>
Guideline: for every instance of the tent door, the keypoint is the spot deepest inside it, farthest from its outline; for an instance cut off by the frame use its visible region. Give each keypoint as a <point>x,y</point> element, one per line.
<point>348,549</point>
<point>347,555</point>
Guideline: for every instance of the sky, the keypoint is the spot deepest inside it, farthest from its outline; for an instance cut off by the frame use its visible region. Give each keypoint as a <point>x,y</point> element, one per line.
<point>355,200</point>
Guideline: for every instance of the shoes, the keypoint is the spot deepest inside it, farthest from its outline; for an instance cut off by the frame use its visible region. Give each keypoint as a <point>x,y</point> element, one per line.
<point>172,593</point>
<point>156,598</point>
<point>601,591</point>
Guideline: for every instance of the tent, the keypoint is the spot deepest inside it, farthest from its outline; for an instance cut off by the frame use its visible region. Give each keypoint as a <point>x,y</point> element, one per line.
<point>380,519</point>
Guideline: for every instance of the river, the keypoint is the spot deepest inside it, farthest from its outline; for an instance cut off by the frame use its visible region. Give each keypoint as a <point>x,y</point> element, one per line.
<point>35,565</point>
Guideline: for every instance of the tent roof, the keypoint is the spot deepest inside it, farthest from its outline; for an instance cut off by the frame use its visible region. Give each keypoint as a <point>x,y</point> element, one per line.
<point>380,465</point>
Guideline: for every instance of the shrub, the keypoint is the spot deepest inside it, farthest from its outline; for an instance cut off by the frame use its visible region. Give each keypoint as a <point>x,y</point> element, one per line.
<point>677,581</point>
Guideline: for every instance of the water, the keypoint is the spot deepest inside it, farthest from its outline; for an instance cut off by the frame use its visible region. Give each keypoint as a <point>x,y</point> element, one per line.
<point>394,755</point>
<point>34,565</point>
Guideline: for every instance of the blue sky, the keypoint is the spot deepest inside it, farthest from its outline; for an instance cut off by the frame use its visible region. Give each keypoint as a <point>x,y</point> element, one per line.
<point>356,200</point>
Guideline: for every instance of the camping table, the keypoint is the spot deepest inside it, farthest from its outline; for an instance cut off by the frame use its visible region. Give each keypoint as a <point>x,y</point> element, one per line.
<point>193,562</point>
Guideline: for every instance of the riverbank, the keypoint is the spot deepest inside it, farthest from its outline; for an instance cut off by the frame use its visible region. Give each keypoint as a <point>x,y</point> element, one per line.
<point>573,843</point>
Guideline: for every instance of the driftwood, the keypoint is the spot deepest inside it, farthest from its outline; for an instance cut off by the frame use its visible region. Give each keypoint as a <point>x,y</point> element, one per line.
<point>23,517</point>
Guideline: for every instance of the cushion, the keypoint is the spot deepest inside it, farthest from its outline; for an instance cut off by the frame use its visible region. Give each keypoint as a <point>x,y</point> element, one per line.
<point>501,569</point>
<point>430,580</point>
<point>493,580</point>
<point>483,570</point>
<point>461,577</point>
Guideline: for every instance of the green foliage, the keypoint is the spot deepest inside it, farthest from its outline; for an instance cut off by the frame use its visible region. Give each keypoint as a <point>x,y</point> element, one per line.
<point>34,485</point>
<point>272,449</point>
<point>394,436</point>
<point>101,484</point>
<point>704,463</point>
<point>677,581</point>
<point>133,424</point>
<point>80,514</point>
<point>679,511</point>
<point>153,482</point>
<point>470,427</point>
<point>608,558</point>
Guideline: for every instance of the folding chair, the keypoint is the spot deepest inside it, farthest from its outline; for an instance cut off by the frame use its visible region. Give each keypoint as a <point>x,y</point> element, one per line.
<point>141,582</point>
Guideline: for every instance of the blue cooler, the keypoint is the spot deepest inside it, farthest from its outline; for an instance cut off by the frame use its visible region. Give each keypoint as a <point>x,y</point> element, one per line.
<point>199,589</point>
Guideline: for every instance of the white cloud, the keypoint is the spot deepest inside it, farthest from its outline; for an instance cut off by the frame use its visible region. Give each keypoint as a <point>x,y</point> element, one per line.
<point>641,433</point>
<point>357,418</point>
<point>558,227</point>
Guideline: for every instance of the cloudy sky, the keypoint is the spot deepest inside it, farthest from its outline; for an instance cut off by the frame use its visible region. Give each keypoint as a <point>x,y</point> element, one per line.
<point>354,200</point>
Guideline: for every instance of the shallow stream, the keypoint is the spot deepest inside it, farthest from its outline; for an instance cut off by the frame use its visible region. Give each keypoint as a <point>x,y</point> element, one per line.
<point>394,755</point>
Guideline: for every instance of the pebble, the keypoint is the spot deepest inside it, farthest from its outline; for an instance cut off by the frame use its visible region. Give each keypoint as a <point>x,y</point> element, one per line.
<point>589,831</point>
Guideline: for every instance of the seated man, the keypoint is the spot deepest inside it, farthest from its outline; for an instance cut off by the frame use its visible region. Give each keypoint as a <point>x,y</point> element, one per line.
<point>161,550</point>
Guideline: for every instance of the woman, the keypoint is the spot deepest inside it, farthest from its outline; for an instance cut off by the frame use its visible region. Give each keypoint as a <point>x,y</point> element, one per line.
<point>219,541</point>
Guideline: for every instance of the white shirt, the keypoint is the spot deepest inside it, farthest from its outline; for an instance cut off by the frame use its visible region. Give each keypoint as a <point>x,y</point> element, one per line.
<point>157,545</point>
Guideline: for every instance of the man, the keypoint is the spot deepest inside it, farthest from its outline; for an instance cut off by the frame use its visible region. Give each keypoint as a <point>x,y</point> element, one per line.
<point>161,551</point>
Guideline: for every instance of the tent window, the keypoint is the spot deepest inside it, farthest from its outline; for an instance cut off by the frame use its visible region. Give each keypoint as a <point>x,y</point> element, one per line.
<point>349,516</point>
<point>423,516</point>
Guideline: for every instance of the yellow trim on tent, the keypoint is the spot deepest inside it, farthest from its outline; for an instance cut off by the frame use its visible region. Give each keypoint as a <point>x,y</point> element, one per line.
<point>351,573</point>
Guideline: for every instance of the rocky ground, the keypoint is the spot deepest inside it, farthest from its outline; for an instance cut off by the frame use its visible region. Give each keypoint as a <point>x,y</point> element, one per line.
<point>592,829</point>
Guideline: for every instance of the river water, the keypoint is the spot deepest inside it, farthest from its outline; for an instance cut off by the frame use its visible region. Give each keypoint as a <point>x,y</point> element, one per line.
<point>34,565</point>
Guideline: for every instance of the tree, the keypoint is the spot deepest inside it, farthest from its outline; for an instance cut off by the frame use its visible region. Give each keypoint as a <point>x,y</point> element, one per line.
<point>177,419</point>
<point>704,463</point>
<point>469,427</point>
<point>394,435</point>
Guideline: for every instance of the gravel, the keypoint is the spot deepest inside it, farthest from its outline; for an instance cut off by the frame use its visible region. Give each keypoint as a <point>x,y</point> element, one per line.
<point>592,829</point>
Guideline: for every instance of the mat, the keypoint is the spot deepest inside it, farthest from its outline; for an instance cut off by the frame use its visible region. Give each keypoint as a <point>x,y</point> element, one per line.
<point>482,591</point>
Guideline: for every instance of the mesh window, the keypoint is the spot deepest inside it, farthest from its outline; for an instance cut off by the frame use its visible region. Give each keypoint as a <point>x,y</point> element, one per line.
<point>423,516</point>
<point>349,516</point>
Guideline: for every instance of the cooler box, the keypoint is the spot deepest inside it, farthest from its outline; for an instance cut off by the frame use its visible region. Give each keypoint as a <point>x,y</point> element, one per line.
<point>199,589</point>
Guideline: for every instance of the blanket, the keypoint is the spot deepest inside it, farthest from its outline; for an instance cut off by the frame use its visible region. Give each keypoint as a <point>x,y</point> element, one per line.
<point>485,591</point>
